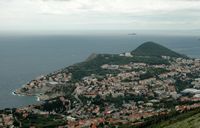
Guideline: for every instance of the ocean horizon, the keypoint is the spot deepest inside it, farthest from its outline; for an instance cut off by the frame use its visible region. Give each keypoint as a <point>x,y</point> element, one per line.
<point>24,58</point>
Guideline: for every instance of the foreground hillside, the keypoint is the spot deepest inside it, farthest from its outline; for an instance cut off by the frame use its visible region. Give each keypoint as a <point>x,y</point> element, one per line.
<point>191,122</point>
<point>190,119</point>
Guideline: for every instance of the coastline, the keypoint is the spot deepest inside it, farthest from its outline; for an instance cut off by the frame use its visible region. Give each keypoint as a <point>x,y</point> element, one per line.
<point>15,94</point>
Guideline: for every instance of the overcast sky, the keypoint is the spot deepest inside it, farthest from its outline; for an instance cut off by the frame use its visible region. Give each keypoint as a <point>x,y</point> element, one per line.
<point>99,14</point>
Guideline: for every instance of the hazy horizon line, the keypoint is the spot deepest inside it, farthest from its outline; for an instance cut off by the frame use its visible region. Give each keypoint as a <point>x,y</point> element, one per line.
<point>184,32</point>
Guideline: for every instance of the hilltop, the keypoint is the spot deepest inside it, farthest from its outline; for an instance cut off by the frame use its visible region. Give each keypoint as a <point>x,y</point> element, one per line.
<point>154,49</point>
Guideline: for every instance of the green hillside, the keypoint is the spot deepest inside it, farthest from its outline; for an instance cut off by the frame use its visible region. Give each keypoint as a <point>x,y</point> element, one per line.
<point>154,49</point>
<point>191,122</point>
<point>94,63</point>
<point>188,119</point>
<point>148,52</point>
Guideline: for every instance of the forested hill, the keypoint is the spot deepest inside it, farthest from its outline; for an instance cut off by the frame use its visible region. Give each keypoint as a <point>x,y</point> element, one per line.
<point>154,49</point>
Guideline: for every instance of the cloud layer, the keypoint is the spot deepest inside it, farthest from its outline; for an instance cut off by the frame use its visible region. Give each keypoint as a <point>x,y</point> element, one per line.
<point>99,14</point>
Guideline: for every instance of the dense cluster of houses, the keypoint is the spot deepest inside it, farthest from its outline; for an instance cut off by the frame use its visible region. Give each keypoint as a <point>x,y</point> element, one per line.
<point>161,87</point>
<point>43,84</point>
<point>6,118</point>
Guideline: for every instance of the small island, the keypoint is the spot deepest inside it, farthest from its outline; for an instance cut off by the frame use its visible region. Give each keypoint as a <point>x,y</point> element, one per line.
<point>132,34</point>
<point>139,88</point>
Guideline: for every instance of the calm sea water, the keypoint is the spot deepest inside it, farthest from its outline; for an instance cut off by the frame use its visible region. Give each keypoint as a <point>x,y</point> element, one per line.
<point>23,58</point>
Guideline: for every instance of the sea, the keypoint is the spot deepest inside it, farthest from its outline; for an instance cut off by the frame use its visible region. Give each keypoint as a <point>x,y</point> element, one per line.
<point>24,57</point>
